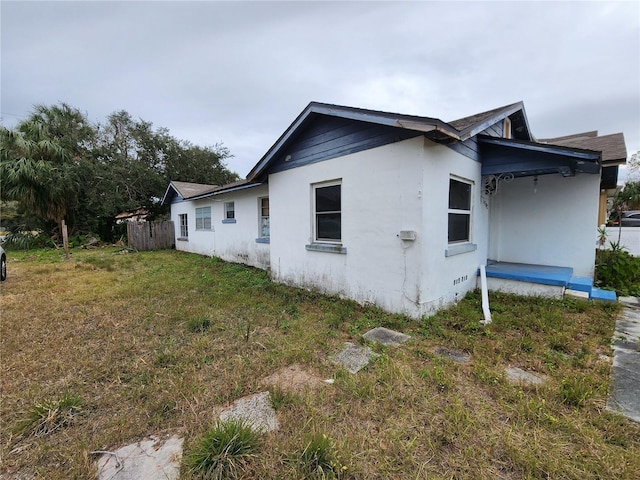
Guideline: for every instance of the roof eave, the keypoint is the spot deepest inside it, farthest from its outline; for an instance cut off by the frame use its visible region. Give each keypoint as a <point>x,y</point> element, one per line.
<point>171,186</point>
<point>418,124</point>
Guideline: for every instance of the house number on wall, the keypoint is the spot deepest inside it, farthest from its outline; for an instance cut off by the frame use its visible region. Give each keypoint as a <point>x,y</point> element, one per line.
<point>460,280</point>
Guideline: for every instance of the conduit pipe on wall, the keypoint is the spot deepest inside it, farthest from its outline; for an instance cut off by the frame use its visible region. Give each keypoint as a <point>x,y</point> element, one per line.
<point>485,296</point>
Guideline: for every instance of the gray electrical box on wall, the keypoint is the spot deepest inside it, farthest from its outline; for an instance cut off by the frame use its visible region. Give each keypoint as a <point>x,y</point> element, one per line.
<point>409,235</point>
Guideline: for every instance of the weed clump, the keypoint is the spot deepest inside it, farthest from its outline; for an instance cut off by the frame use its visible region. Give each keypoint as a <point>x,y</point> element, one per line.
<point>318,458</point>
<point>576,390</point>
<point>44,418</point>
<point>199,324</point>
<point>223,451</point>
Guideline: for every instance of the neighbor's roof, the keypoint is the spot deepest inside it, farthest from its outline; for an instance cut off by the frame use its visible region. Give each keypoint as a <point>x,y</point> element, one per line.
<point>613,148</point>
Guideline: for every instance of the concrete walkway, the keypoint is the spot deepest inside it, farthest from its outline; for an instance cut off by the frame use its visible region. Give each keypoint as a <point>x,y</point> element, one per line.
<point>624,395</point>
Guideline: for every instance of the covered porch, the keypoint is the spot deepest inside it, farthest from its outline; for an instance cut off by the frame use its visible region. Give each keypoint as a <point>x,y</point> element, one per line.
<point>543,209</point>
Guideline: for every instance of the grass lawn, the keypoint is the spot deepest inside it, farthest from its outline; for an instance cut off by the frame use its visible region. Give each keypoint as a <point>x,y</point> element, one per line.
<point>105,349</point>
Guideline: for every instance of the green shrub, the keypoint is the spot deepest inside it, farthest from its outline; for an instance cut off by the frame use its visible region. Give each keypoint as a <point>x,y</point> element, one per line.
<point>20,238</point>
<point>618,269</point>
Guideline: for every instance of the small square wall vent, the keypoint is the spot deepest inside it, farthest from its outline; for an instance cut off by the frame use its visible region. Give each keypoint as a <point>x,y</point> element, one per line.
<point>409,235</point>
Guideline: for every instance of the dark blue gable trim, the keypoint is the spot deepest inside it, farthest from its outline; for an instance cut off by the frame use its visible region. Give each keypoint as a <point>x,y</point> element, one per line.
<point>325,138</point>
<point>470,148</point>
<point>522,159</point>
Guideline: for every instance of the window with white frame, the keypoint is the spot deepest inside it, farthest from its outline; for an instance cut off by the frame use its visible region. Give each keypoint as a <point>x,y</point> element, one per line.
<point>203,218</point>
<point>459,210</point>
<point>184,226</point>
<point>264,217</point>
<point>229,210</point>
<point>327,206</point>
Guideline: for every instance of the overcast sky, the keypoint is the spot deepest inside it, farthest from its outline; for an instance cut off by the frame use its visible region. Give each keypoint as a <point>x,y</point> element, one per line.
<point>238,73</point>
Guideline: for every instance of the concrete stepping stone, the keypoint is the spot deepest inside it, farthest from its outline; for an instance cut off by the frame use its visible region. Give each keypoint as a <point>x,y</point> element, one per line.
<point>256,410</point>
<point>354,358</point>
<point>518,376</point>
<point>457,356</point>
<point>386,337</point>
<point>150,459</point>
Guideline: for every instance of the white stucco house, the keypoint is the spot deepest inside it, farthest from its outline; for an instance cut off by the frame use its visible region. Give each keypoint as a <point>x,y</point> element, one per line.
<point>401,211</point>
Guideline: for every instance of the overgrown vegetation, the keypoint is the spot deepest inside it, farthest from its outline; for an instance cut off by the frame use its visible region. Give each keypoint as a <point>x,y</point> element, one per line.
<point>159,342</point>
<point>618,270</point>
<point>57,165</point>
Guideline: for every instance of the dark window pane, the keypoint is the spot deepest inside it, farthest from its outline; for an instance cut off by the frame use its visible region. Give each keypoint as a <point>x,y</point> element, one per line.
<point>328,199</point>
<point>459,195</point>
<point>328,226</point>
<point>458,227</point>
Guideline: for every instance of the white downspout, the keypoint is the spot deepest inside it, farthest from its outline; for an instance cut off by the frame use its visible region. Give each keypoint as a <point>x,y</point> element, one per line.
<point>485,296</point>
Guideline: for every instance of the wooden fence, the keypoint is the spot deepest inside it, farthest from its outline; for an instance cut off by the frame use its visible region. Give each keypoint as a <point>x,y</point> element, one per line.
<point>151,235</point>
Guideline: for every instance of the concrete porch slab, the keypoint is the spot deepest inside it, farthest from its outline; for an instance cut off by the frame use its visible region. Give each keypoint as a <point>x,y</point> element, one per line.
<point>524,272</point>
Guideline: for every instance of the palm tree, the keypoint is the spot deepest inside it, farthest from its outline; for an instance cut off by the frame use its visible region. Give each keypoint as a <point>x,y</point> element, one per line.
<point>37,164</point>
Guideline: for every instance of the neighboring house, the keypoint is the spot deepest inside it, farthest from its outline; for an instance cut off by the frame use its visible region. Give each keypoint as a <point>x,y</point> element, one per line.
<point>401,211</point>
<point>614,154</point>
<point>139,215</point>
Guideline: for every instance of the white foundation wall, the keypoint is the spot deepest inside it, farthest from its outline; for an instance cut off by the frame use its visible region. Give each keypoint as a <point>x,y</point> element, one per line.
<point>397,187</point>
<point>535,223</point>
<point>448,276</point>
<point>234,242</point>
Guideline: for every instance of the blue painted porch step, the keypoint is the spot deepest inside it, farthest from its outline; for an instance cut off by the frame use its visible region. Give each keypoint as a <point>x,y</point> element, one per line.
<point>524,272</point>
<point>582,284</point>
<point>547,275</point>
<point>602,295</point>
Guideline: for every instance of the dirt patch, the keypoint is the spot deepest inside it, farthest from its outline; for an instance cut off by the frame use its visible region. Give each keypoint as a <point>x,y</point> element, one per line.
<point>293,379</point>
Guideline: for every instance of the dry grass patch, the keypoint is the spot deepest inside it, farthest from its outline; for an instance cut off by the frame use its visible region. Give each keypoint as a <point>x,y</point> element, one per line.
<point>159,342</point>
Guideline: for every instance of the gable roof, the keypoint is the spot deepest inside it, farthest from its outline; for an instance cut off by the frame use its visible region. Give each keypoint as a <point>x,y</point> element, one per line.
<point>474,124</point>
<point>433,128</point>
<point>188,190</point>
<point>196,191</point>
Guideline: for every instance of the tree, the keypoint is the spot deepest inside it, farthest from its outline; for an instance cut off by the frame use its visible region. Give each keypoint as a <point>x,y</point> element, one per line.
<point>38,161</point>
<point>57,165</point>
<point>628,198</point>
<point>633,164</point>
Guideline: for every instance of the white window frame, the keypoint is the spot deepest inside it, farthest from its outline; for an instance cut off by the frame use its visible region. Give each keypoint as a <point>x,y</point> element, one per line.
<point>230,207</point>
<point>203,218</point>
<point>315,213</point>
<point>263,219</point>
<point>184,225</point>
<point>458,211</point>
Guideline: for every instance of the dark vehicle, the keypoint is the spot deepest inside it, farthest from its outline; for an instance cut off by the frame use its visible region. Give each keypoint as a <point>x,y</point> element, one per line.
<point>629,219</point>
<point>3,265</point>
